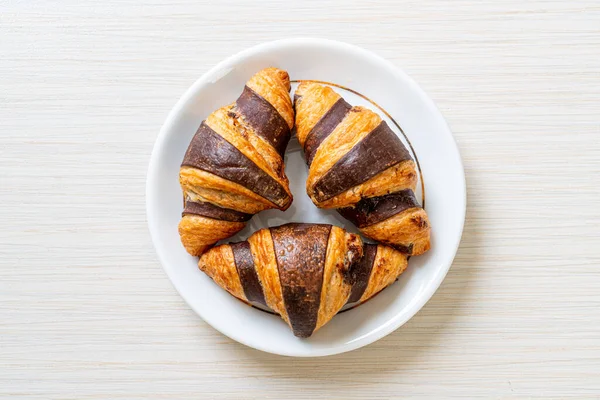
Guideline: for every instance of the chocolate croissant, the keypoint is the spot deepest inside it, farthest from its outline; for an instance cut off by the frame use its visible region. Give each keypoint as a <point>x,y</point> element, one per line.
<point>359,166</point>
<point>233,167</point>
<point>304,272</point>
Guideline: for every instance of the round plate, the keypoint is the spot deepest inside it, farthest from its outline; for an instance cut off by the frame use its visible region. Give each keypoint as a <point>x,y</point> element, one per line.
<point>363,78</point>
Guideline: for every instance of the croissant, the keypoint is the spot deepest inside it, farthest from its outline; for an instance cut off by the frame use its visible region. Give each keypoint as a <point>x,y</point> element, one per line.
<point>304,272</point>
<point>233,167</point>
<point>359,166</point>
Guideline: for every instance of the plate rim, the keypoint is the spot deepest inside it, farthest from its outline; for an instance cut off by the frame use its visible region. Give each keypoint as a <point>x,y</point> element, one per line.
<point>208,77</point>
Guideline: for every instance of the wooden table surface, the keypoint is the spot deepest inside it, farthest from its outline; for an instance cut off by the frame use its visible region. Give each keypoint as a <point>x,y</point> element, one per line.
<point>86,311</point>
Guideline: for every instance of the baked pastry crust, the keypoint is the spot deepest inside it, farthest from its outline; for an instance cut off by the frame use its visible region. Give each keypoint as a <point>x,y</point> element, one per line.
<point>379,267</point>
<point>304,272</point>
<point>234,164</point>
<point>359,166</point>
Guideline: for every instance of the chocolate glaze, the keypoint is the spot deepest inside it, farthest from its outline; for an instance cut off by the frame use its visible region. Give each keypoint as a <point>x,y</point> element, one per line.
<point>244,262</point>
<point>264,119</point>
<point>324,127</point>
<point>361,272</point>
<point>210,152</point>
<point>300,250</point>
<point>372,210</point>
<point>376,152</point>
<point>209,210</point>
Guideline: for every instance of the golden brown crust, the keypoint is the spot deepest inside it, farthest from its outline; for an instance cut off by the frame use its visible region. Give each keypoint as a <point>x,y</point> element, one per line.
<point>199,233</point>
<point>273,85</point>
<point>401,176</point>
<point>225,125</point>
<point>261,246</point>
<point>355,126</point>
<point>221,192</point>
<point>343,249</point>
<point>387,267</point>
<point>218,263</point>
<point>263,147</point>
<point>409,228</point>
<point>315,101</point>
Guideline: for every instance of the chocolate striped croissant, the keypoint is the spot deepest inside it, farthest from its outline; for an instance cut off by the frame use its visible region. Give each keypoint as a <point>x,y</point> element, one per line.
<point>233,167</point>
<point>304,272</point>
<point>359,166</point>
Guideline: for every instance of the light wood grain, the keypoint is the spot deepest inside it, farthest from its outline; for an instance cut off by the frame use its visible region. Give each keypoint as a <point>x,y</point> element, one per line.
<point>85,309</point>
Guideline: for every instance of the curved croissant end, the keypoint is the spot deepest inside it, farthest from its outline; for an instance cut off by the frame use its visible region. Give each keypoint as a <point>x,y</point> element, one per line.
<point>379,267</point>
<point>300,271</point>
<point>359,166</point>
<point>233,167</point>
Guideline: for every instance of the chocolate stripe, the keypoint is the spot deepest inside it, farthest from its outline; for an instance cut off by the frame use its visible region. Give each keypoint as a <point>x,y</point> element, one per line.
<point>264,119</point>
<point>300,250</point>
<point>209,210</point>
<point>244,262</point>
<point>406,249</point>
<point>361,272</point>
<point>372,210</point>
<point>376,152</point>
<point>324,127</point>
<point>210,152</point>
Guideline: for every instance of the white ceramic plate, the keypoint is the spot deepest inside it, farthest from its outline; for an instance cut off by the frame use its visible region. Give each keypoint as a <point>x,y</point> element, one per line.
<point>371,81</point>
